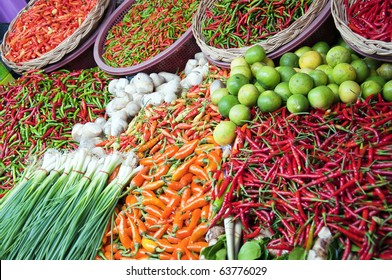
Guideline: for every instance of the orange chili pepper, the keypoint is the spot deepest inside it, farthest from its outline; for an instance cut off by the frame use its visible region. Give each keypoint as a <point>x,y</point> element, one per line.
<point>175,185</point>
<point>160,232</point>
<point>161,171</point>
<point>148,161</point>
<point>153,201</point>
<point>167,154</point>
<point>171,206</point>
<point>126,241</point>
<point>141,226</point>
<point>136,238</point>
<point>164,257</point>
<point>186,194</point>
<point>199,172</point>
<point>154,210</point>
<point>177,222</point>
<point>204,148</point>
<point>181,249</point>
<point>109,255</point>
<point>214,155</point>
<point>197,246</point>
<point>187,149</point>
<point>154,185</point>
<point>149,144</point>
<point>149,245</point>
<point>199,232</point>
<point>114,174</point>
<point>185,232</point>
<point>196,188</point>
<point>206,212</point>
<point>165,244</point>
<point>201,159</point>
<point>138,180</point>
<point>182,169</point>
<point>196,203</point>
<point>165,198</point>
<point>186,179</point>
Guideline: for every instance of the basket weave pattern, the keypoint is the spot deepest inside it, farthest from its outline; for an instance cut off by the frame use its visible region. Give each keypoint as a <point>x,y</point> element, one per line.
<point>370,47</point>
<point>66,46</point>
<point>270,44</point>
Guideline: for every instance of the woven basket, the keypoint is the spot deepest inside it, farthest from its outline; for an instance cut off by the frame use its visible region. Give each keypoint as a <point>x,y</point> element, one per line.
<point>63,48</point>
<point>270,44</point>
<point>172,59</point>
<point>373,48</point>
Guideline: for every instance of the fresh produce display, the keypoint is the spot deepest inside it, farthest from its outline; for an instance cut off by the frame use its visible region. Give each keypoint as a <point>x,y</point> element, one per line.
<point>271,159</point>
<point>38,110</point>
<point>43,26</point>
<point>370,19</point>
<point>238,23</point>
<point>148,28</point>
<point>59,210</point>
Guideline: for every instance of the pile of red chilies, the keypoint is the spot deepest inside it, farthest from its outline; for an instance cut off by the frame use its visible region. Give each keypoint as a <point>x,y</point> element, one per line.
<point>371,19</point>
<point>295,174</point>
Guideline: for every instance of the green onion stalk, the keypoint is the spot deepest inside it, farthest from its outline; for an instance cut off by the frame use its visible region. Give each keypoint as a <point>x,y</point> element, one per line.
<point>14,212</point>
<point>60,209</point>
<point>90,237</point>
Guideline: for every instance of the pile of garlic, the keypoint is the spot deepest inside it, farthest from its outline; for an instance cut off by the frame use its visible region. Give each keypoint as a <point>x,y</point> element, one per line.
<point>130,96</point>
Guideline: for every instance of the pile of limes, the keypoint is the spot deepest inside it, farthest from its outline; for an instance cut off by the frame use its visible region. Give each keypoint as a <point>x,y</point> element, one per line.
<point>309,77</point>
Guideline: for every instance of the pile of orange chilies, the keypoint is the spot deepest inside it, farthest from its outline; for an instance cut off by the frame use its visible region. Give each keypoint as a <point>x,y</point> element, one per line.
<point>43,26</point>
<point>167,210</point>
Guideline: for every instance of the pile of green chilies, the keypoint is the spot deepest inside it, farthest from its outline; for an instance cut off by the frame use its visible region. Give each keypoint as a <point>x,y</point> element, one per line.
<point>148,28</point>
<point>61,206</point>
<point>38,110</point>
<point>238,23</point>
<point>292,175</point>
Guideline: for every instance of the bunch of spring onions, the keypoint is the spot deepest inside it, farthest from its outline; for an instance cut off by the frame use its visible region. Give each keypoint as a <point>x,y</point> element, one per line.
<point>60,209</point>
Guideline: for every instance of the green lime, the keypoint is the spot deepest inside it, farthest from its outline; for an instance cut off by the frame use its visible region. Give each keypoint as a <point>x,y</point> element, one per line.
<point>255,53</point>
<point>321,97</point>
<point>370,88</point>
<point>286,72</point>
<point>327,70</point>
<point>349,91</point>
<point>300,83</point>
<point>335,90</point>
<point>269,62</point>
<point>289,59</point>
<point>310,59</point>
<point>385,71</point>
<point>338,54</point>
<point>248,94</point>
<point>387,91</point>
<point>269,101</point>
<point>238,61</point>
<point>361,69</point>
<point>218,94</point>
<point>321,47</point>
<point>300,51</point>
<point>283,90</point>
<point>380,80</point>
<point>244,70</point>
<point>297,103</point>
<point>343,72</point>
<point>226,103</point>
<point>319,77</point>
<point>240,114</point>
<point>372,63</point>
<point>268,77</point>
<point>259,87</point>
<point>235,82</point>
<point>255,67</point>
<point>224,133</point>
